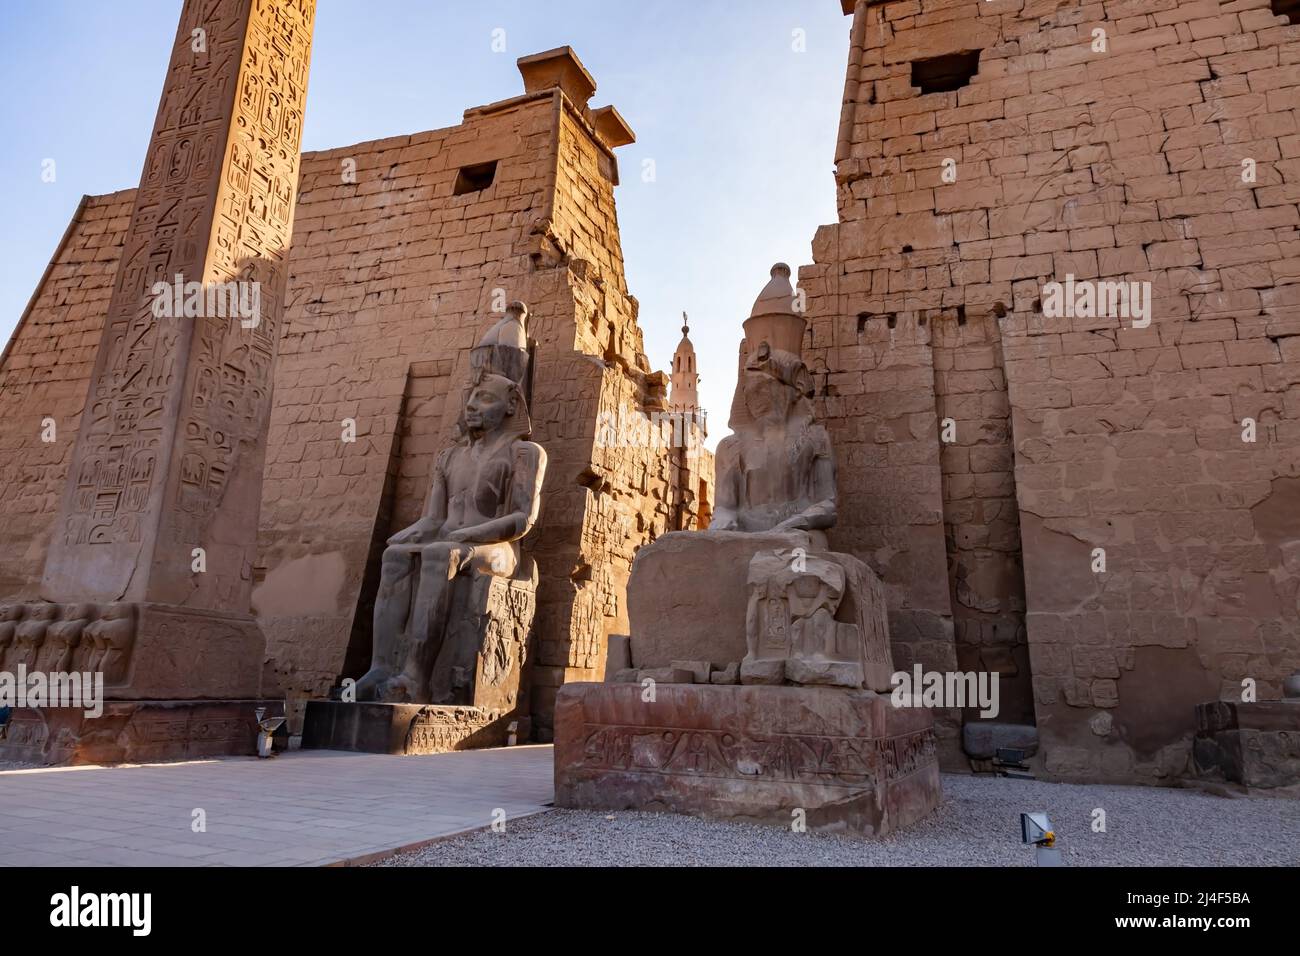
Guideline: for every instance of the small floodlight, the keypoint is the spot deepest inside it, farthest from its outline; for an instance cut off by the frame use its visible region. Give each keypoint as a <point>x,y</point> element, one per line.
<point>1036,830</point>
<point>267,726</point>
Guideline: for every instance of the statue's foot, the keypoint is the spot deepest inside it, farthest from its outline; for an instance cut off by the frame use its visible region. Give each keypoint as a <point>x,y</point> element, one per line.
<point>370,686</point>
<point>397,690</point>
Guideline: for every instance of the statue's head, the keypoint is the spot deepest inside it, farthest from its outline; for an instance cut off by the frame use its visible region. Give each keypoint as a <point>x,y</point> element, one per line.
<point>494,404</point>
<point>775,386</point>
<point>503,350</point>
<point>499,378</point>
<point>43,612</point>
<point>81,612</point>
<point>119,611</point>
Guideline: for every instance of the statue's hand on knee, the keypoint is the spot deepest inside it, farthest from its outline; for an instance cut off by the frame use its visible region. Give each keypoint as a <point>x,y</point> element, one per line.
<point>421,532</point>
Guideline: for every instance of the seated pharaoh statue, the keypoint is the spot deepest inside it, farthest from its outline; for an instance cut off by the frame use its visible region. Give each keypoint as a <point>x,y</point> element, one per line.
<point>776,606</point>
<point>456,597</point>
<point>757,673</point>
<point>777,471</point>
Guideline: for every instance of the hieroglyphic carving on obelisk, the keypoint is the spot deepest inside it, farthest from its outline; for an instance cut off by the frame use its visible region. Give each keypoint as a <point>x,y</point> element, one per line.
<point>169,455</point>
<point>170,452</point>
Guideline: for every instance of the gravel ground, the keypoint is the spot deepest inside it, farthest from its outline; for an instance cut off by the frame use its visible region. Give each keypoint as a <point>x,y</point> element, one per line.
<point>978,825</point>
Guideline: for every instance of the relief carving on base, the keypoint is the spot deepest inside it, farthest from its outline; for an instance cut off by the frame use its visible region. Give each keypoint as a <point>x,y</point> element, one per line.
<point>437,730</point>
<point>62,638</point>
<point>826,760</point>
<point>791,625</point>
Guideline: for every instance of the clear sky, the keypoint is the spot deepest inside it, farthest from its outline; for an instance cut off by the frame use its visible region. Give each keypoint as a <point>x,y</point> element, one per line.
<point>736,101</point>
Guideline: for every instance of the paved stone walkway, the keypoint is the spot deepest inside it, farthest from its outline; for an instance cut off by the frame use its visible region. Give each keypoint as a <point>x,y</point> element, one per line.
<point>311,808</point>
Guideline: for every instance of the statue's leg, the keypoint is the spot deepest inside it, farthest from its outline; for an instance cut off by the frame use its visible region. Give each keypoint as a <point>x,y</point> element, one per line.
<point>439,565</point>
<point>392,603</point>
<point>452,676</point>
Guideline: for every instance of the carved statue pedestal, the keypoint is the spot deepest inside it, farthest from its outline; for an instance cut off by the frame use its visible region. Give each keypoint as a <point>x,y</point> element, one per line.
<point>721,622</point>
<point>409,729</point>
<point>479,682</point>
<point>1256,745</point>
<point>135,731</point>
<point>848,761</point>
<point>144,651</point>
<point>177,683</point>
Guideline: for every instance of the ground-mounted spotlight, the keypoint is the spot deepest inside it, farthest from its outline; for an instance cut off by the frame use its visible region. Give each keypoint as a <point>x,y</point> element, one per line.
<point>1036,830</point>
<point>267,726</point>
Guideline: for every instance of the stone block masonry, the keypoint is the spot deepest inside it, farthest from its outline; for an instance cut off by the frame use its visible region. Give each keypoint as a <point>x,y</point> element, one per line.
<point>404,251</point>
<point>1113,141</point>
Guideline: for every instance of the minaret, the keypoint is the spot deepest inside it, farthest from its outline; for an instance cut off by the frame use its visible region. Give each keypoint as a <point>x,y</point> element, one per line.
<point>690,428</point>
<point>685,379</point>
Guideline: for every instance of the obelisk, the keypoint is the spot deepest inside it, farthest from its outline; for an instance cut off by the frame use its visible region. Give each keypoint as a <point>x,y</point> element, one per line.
<point>158,522</point>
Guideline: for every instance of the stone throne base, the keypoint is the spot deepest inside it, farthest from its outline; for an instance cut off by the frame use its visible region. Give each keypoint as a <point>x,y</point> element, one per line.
<point>1256,745</point>
<point>480,679</point>
<point>852,762</point>
<point>409,729</point>
<point>723,736</point>
<point>689,595</point>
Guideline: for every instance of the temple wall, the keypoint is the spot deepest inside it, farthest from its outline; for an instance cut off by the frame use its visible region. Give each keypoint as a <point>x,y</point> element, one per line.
<point>1122,165</point>
<point>44,373</point>
<point>877,400</point>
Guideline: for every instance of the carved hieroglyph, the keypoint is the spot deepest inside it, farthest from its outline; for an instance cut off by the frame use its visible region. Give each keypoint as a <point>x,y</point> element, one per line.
<point>170,451</point>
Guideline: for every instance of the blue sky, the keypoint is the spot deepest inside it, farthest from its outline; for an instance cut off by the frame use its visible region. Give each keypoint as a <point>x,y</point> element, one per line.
<point>741,126</point>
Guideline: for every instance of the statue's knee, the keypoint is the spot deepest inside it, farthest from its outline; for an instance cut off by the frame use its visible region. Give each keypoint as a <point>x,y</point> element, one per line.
<point>441,555</point>
<point>499,562</point>
<point>396,563</point>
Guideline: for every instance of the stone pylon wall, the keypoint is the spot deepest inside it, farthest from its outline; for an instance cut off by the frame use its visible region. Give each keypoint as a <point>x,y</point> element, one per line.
<point>393,278</point>
<point>1113,156</point>
<point>44,374</point>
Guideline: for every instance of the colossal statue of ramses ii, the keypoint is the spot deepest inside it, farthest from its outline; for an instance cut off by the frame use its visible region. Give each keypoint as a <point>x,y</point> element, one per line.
<point>484,498</point>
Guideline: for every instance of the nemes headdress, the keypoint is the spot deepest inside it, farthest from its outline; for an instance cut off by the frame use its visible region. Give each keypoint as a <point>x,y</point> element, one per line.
<point>503,354</point>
